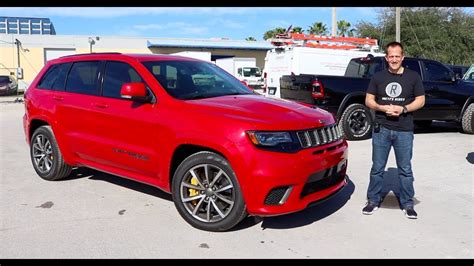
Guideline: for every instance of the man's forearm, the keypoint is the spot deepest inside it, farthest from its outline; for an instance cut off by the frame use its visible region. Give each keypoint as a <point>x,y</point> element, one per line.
<point>418,103</point>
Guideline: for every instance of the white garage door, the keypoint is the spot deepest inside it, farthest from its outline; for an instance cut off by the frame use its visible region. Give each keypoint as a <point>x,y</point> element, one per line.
<point>52,53</point>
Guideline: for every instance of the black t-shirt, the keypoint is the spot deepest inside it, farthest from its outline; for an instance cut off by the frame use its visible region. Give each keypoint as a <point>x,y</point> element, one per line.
<point>396,89</point>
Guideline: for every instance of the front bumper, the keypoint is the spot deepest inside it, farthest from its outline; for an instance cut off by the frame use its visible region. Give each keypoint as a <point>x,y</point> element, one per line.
<point>281,183</point>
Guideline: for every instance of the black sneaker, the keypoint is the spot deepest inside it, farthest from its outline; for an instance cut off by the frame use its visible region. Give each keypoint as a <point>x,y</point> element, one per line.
<point>369,208</point>
<point>410,213</point>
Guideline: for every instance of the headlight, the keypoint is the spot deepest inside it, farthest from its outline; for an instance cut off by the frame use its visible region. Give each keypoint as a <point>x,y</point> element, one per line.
<point>269,138</point>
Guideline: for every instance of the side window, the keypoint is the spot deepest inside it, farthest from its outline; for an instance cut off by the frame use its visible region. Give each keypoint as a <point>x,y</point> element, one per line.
<point>55,77</point>
<point>436,72</point>
<point>116,74</point>
<point>83,78</point>
<point>413,65</point>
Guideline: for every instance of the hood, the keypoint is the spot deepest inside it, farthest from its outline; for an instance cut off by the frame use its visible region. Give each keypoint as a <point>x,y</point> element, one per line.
<point>263,113</point>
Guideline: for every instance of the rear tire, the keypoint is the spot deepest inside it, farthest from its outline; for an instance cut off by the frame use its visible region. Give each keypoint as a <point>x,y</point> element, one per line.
<point>467,120</point>
<point>46,156</point>
<point>206,192</point>
<point>356,122</point>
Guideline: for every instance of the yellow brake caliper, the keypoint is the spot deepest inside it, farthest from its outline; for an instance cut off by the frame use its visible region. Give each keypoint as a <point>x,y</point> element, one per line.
<point>193,192</point>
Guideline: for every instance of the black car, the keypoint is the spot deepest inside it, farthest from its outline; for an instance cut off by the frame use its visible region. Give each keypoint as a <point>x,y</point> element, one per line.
<point>8,85</point>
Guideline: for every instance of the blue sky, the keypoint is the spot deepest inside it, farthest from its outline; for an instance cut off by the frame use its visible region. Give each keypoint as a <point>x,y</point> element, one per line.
<point>229,22</point>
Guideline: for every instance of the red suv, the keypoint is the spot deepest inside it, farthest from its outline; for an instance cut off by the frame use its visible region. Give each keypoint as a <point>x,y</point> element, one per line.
<point>187,127</point>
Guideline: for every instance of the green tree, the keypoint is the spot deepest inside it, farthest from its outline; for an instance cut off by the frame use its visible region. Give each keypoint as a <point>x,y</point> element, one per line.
<point>250,39</point>
<point>318,28</point>
<point>343,28</point>
<point>297,30</point>
<point>443,34</point>
<point>272,33</point>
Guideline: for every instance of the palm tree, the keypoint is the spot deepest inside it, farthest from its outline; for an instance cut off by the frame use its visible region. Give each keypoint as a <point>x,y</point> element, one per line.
<point>272,33</point>
<point>297,30</point>
<point>250,39</point>
<point>318,28</point>
<point>343,28</point>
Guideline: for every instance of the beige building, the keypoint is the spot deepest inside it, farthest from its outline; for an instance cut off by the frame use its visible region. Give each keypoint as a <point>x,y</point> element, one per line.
<point>33,51</point>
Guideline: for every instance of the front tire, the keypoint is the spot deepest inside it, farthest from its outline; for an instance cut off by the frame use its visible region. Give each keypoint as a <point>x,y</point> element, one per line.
<point>206,192</point>
<point>46,156</point>
<point>467,119</point>
<point>356,122</point>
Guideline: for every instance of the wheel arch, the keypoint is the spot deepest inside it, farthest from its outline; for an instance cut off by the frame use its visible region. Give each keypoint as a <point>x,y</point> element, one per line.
<point>182,152</point>
<point>466,104</point>
<point>353,97</point>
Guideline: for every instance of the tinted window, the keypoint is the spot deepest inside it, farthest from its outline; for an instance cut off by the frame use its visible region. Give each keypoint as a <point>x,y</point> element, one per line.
<point>436,72</point>
<point>55,77</point>
<point>4,79</point>
<point>413,65</point>
<point>116,74</point>
<point>83,78</point>
<point>362,68</point>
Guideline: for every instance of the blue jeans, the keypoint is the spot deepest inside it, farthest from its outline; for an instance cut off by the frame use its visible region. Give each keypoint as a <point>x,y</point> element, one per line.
<point>382,142</point>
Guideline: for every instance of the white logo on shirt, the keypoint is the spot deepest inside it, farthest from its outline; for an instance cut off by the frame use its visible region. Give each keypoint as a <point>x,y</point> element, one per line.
<point>393,89</point>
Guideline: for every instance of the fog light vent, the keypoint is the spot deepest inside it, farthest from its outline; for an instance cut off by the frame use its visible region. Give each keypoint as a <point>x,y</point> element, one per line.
<point>278,196</point>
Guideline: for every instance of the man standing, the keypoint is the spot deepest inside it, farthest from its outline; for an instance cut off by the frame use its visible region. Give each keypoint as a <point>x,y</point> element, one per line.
<point>394,94</point>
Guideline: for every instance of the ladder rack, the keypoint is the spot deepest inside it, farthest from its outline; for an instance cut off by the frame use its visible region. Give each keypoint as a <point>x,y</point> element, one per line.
<point>325,42</point>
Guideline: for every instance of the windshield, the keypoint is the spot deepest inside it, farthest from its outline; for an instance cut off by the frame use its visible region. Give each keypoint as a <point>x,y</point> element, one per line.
<point>469,75</point>
<point>4,79</point>
<point>252,72</point>
<point>195,79</point>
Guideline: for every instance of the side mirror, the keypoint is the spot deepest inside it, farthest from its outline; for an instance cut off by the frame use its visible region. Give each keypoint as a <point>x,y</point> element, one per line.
<point>135,91</point>
<point>471,76</point>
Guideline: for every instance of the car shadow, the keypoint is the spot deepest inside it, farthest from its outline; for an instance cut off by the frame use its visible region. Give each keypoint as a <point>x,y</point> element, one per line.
<point>83,172</point>
<point>306,216</point>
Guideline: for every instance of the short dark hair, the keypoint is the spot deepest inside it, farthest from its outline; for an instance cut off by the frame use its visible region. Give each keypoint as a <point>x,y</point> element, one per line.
<point>393,44</point>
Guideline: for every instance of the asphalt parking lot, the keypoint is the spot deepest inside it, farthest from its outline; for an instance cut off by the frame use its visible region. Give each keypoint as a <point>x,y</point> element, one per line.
<point>96,215</point>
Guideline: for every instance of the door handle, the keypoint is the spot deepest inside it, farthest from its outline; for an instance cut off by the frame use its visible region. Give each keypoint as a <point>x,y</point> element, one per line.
<point>58,98</point>
<point>100,105</point>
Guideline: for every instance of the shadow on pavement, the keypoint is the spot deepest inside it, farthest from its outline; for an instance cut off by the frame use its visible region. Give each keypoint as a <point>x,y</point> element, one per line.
<point>312,214</point>
<point>391,183</point>
<point>83,172</point>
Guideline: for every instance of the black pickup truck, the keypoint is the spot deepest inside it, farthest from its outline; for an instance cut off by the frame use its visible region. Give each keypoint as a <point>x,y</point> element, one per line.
<point>447,98</point>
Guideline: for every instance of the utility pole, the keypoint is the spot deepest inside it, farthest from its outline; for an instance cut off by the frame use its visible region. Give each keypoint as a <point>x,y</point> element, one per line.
<point>334,22</point>
<point>18,44</point>
<point>397,24</point>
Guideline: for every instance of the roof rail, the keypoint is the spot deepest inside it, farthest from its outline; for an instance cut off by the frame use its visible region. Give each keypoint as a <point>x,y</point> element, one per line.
<point>104,53</point>
<point>328,42</point>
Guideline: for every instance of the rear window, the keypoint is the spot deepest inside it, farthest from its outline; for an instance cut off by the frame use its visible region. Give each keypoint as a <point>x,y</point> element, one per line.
<point>363,67</point>
<point>55,77</point>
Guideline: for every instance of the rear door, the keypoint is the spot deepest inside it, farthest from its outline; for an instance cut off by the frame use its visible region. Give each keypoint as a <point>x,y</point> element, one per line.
<point>442,101</point>
<point>74,109</point>
<point>126,129</point>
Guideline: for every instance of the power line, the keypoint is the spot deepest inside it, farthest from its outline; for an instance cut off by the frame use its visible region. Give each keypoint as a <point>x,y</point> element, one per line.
<point>28,61</point>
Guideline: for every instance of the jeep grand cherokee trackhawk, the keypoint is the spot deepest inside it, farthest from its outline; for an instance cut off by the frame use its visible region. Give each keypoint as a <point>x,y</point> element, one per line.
<point>187,127</point>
